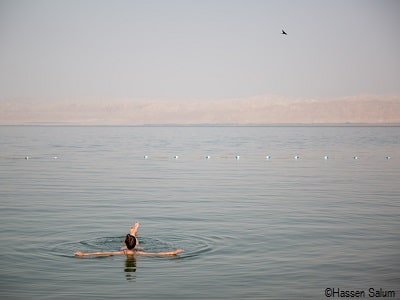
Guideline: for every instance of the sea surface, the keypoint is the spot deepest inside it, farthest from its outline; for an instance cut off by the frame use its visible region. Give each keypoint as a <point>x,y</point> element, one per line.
<point>263,212</point>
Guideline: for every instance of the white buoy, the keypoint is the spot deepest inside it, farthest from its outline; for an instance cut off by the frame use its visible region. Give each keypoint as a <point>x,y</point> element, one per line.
<point>387,157</point>
<point>326,157</point>
<point>26,157</point>
<point>268,157</point>
<point>297,157</point>
<point>355,157</point>
<point>145,157</point>
<point>176,156</point>
<point>55,157</point>
<point>237,157</point>
<point>208,156</point>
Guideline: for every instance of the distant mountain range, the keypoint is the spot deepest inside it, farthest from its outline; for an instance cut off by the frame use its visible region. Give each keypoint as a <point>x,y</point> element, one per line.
<point>370,109</point>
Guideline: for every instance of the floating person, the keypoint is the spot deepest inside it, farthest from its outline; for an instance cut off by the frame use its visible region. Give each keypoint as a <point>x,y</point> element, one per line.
<point>283,32</point>
<point>131,247</point>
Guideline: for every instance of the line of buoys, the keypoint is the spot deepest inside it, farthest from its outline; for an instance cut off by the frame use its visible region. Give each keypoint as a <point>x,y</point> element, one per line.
<point>28,157</point>
<point>237,157</point>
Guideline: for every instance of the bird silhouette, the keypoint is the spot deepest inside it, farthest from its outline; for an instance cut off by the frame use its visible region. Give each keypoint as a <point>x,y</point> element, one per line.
<point>283,32</point>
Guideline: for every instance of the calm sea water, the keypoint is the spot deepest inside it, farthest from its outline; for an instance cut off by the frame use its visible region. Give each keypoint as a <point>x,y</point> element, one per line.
<point>251,228</point>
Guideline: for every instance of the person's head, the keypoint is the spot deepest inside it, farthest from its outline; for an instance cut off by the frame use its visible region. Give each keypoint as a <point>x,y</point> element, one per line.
<point>130,241</point>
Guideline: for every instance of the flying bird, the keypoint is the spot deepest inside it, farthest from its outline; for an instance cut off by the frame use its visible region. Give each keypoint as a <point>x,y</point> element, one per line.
<point>283,32</point>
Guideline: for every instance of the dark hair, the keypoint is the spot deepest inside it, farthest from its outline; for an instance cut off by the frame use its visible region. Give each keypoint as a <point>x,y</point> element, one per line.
<point>130,241</point>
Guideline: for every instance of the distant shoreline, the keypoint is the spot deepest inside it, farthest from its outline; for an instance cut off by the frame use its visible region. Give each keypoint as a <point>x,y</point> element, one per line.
<point>54,124</point>
<point>252,111</point>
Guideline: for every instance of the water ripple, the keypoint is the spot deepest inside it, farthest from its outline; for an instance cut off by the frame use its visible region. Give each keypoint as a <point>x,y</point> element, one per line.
<point>193,245</point>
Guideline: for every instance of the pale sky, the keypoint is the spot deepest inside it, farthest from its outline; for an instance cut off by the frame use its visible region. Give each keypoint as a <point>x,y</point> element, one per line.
<point>92,50</point>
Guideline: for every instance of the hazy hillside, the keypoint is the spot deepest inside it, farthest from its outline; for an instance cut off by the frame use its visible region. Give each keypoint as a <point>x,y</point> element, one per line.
<point>256,110</point>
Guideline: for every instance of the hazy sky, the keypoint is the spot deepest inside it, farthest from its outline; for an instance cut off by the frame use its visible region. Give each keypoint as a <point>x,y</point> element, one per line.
<point>185,50</point>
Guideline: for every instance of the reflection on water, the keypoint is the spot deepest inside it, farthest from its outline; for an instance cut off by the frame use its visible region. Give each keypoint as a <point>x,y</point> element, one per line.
<point>130,267</point>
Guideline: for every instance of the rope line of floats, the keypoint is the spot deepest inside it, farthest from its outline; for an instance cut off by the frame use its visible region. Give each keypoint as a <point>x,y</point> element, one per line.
<point>237,157</point>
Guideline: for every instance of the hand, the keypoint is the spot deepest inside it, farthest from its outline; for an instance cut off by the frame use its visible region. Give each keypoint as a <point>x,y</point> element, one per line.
<point>78,253</point>
<point>178,251</point>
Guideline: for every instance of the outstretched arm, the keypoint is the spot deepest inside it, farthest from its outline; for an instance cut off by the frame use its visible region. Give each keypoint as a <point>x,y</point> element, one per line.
<point>99,253</point>
<point>162,253</point>
<point>107,253</point>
